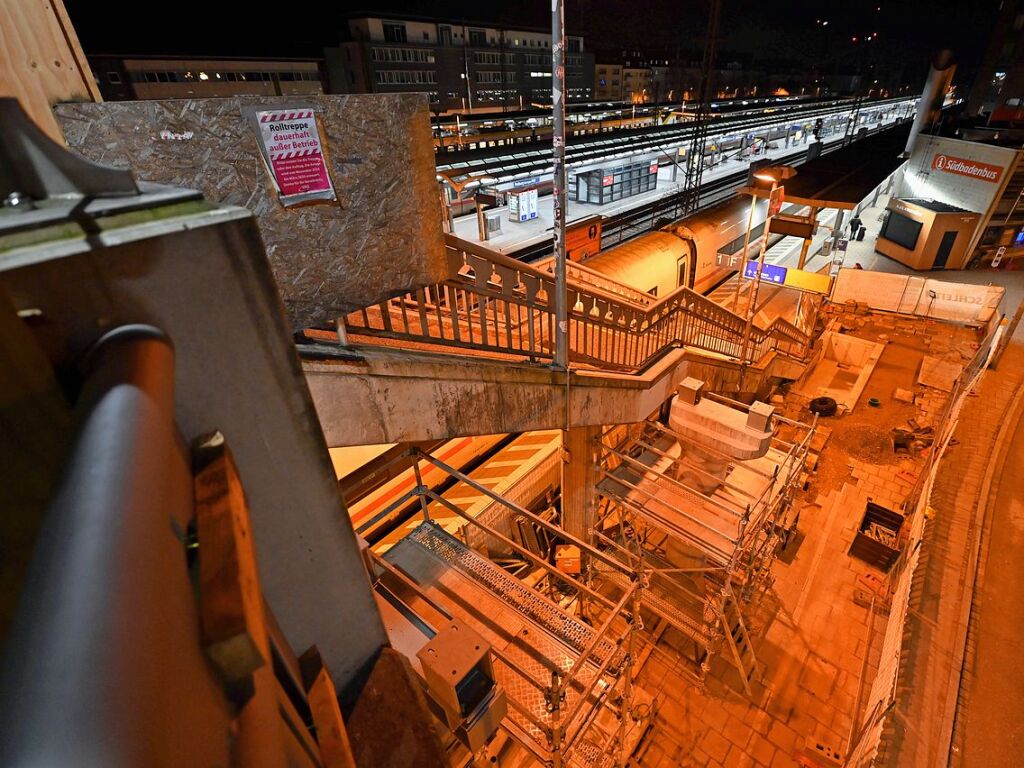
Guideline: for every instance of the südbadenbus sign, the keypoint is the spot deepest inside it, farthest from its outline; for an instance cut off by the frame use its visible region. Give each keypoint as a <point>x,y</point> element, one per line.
<point>291,146</point>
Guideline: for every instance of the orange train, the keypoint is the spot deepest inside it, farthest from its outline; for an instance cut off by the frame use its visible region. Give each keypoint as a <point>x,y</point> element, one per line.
<point>683,253</point>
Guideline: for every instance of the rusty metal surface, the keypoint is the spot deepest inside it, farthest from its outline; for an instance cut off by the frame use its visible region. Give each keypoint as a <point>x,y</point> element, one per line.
<point>382,235</point>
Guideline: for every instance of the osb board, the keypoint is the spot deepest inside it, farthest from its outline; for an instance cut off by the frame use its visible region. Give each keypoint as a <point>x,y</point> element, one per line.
<point>938,373</point>
<point>382,236</point>
<point>41,61</point>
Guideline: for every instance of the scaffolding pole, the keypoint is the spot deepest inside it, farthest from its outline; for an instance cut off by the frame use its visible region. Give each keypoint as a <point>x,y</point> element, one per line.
<point>561,361</point>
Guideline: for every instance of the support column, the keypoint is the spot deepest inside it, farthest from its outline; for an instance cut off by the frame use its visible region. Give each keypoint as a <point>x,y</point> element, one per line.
<point>579,476</point>
<point>807,242</point>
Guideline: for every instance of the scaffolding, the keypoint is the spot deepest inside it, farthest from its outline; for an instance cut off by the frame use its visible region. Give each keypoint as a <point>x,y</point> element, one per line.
<point>565,654</point>
<point>702,526</point>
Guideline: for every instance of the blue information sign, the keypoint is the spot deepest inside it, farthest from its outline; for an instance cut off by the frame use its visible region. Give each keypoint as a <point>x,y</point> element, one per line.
<point>770,273</point>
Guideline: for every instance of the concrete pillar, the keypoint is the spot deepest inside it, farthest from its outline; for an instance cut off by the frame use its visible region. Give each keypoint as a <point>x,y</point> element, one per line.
<point>579,476</point>
<point>807,242</point>
<point>800,265</point>
<point>940,75</point>
<point>837,227</point>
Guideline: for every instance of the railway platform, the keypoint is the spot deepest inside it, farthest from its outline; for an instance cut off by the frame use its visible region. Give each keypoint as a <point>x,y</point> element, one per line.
<point>514,237</point>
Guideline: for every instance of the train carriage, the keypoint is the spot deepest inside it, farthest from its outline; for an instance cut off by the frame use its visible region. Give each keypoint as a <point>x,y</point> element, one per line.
<point>683,253</point>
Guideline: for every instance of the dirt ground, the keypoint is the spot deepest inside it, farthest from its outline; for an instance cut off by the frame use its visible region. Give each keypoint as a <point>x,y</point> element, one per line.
<point>866,432</point>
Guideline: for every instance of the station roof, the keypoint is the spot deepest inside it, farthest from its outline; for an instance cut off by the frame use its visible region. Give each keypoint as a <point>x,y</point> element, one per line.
<point>844,177</point>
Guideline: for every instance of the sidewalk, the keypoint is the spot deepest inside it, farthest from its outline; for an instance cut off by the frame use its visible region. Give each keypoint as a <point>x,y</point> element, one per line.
<point>989,729</point>
<point>919,731</point>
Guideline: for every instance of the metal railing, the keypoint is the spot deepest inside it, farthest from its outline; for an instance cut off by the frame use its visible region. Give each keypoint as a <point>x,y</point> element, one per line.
<point>492,303</point>
<point>591,667</point>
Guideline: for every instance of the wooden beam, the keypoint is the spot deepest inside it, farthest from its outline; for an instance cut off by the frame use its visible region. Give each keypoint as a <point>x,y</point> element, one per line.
<point>331,734</point>
<point>41,61</point>
<point>230,602</point>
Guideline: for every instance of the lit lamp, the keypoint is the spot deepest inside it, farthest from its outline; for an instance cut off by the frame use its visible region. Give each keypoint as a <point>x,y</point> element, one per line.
<point>773,202</point>
<point>762,176</point>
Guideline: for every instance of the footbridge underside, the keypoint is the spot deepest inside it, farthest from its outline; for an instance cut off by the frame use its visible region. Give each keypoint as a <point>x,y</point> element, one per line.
<point>472,355</point>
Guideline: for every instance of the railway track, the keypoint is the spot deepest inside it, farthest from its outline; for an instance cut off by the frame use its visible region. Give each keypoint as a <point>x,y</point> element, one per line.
<point>518,160</point>
<point>623,226</point>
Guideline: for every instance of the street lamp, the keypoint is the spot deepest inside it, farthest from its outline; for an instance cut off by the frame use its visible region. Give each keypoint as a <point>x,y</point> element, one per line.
<point>774,203</point>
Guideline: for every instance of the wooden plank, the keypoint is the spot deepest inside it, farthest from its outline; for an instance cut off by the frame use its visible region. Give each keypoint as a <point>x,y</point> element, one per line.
<point>41,61</point>
<point>331,733</point>
<point>230,603</point>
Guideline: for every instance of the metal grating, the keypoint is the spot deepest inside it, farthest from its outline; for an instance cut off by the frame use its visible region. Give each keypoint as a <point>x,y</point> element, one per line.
<point>697,629</point>
<point>510,590</point>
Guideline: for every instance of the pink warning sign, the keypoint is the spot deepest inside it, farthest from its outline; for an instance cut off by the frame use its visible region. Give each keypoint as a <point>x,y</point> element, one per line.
<point>291,144</point>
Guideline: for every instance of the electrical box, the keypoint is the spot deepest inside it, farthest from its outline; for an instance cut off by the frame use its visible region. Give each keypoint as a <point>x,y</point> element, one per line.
<point>459,678</point>
<point>567,558</point>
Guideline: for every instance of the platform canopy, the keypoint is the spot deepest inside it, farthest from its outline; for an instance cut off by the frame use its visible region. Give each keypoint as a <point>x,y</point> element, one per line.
<point>844,177</point>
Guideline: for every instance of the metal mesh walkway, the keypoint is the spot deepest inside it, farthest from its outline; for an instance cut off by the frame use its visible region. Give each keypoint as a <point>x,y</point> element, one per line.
<point>571,631</point>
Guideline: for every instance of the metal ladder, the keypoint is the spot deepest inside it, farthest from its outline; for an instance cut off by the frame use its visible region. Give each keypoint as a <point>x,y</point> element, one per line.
<point>738,638</point>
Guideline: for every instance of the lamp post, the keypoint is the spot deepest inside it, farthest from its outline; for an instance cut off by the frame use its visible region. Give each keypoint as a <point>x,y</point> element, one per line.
<point>774,204</point>
<point>743,260</point>
<point>559,205</point>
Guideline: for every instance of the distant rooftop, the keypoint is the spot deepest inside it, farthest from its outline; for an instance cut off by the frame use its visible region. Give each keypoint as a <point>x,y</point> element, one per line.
<point>476,24</point>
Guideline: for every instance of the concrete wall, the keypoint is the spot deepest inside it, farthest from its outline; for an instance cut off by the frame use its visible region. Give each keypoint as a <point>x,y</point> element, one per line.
<point>910,295</point>
<point>372,395</point>
<point>382,236</point>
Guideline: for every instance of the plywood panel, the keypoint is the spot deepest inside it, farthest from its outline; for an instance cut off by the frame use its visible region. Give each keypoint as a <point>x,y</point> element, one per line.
<point>41,62</point>
<point>381,237</point>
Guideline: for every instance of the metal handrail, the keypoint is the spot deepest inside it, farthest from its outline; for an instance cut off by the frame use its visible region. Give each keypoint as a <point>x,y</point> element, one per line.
<point>83,615</point>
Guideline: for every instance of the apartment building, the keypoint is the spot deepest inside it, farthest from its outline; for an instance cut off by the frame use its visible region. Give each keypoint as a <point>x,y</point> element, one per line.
<point>461,66</point>
<point>608,82</point>
<point>126,78</point>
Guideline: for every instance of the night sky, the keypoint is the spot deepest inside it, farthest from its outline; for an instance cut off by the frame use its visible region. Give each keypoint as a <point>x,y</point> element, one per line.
<point>908,30</point>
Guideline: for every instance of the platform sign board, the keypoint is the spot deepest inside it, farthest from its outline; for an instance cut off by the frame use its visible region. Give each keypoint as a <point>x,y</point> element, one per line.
<point>807,281</point>
<point>963,166</point>
<point>775,200</point>
<point>526,182</point>
<point>583,238</point>
<point>798,279</point>
<point>794,226</point>
<point>290,143</point>
<point>771,273</point>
